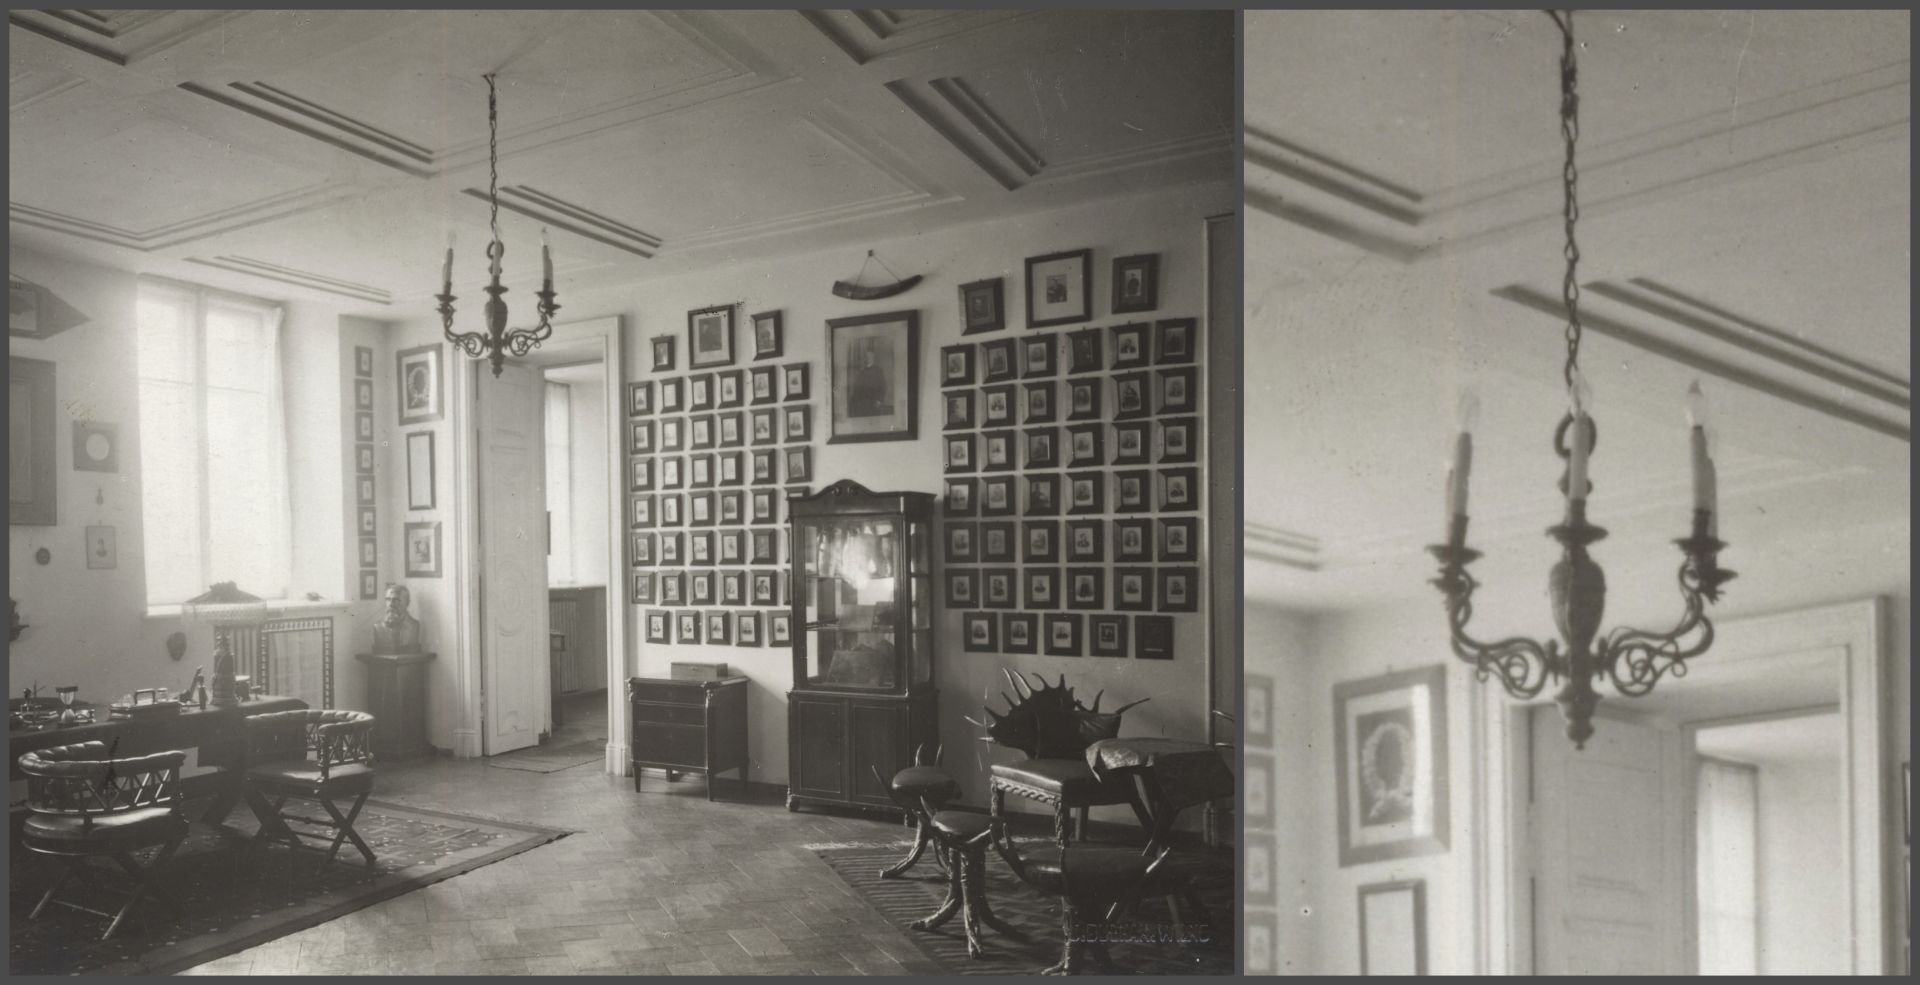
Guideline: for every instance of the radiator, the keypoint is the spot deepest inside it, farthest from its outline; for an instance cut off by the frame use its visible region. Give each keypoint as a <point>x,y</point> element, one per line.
<point>563,623</point>
<point>288,657</point>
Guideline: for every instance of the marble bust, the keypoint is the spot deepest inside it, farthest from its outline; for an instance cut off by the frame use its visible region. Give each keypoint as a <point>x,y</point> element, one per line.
<point>397,632</point>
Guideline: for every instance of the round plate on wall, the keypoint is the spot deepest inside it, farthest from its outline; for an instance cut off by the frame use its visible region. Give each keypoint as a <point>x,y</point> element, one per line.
<point>96,446</point>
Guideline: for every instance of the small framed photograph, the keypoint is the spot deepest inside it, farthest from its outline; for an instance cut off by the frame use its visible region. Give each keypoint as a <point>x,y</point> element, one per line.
<point>1179,539</point>
<point>642,549</point>
<point>1131,490</point>
<point>733,584</point>
<point>1178,490</point>
<point>363,425</point>
<point>997,589</point>
<point>1086,446</point>
<point>799,464</point>
<point>673,434</point>
<point>672,471</point>
<point>1130,397</point>
<point>1179,589</point>
<point>673,396</point>
<point>1174,341</point>
<point>362,361</point>
<point>423,549</point>
<point>672,588</point>
<point>997,406</point>
<point>700,393</point>
<point>1133,589</point>
<point>1086,588</point>
<point>1086,541</point>
<point>996,496</point>
<point>733,509</point>
<point>875,378</point>
<point>962,544</point>
<point>1037,357</point>
<point>1132,541</point>
<point>1179,439</point>
<point>726,389</point>
<point>1059,288</point>
<point>701,589</point>
<point>763,427</point>
<point>1261,870</point>
<point>1136,283</point>
<point>368,521</point>
<point>797,381</point>
<point>732,431</point>
<point>1177,390</point>
<point>1043,495</point>
<point>982,307</point>
<point>363,395</point>
<point>362,458</point>
<point>103,549</point>
<point>956,365</point>
<point>1042,588</point>
<point>1257,711</point>
<point>1130,346</point>
<point>1107,636</point>
<point>710,336</point>
<point>699,514</point>
<point>764,587</point>
<point>1020,632</point>
<point>780,628</point>
<point>1083,400</point>
<point>672,510</point>
<point>419,380</point>
<point>1038,405</point>
<point>1086,493</point>
<point>369,585</point>
<point>1393,928</point>
<point>997,453</point>
<point>1259,787</point>
<point>728,464</point>
<point>671,549</point>
<point>659,626</point>
<point>768,336</point>
<point>1398,719</point>
<point>798,423</point>
<point>1130,443</point>
<point>663,353</point>
<point>1043,447</point>
<point>639,437</point>
<point>963,589</point>
<point>99,546</point>
<point>746,628</point>
<point>960,501</point>
<point>997,542</point>
<point>763,385</point>
<point>640,398</point>
<point>979,632</point>
<point>1084,351</point>
<point>766,467</point>
<point>761,547</point>
<point>1063,635</point>
<point>363,490</point>
<point>959,410</point>
<point>1041,541</point>
<point>689,626</point>
<point>997,361</point>
<point>643,515</point>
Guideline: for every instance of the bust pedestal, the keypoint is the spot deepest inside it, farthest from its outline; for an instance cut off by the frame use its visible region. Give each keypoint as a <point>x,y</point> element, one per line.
<point>397,697</point>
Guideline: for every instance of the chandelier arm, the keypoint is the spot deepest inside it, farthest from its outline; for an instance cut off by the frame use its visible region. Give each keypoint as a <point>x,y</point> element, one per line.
<point>1523,665</point>
<point>1635,660</point>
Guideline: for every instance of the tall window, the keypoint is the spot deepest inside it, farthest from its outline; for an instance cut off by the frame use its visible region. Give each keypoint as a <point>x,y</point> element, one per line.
<point>212,443</point>
<point>1727,863</point>
<point>559,425</point>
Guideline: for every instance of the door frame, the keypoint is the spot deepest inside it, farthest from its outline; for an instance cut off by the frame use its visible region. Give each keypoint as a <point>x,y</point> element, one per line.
<point>601,336</point>
<point>1850,634</point>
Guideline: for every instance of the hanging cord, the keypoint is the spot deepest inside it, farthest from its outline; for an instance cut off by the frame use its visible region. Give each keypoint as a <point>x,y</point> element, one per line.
<point>873,258</point>
<point>1570,182</point>
<point>493,165</point>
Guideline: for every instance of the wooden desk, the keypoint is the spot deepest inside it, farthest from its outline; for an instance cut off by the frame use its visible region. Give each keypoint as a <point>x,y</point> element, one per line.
<point>216,734</point>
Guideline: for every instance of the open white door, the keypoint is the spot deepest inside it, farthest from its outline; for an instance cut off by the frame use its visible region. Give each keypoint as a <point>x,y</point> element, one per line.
<point>1607,849</point>
<point>513,557</point>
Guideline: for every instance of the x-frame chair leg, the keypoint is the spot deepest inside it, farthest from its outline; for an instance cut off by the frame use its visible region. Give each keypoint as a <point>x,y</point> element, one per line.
<point>73,865</point>
<point>345,825</point>
<point>144,883</point>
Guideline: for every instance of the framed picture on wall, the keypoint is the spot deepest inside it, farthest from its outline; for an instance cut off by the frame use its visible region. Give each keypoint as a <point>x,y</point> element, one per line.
<point>688,626</point>
<point>1130,442</point>
<point>369,585</point>
<point>1256,711</point>
<point>1390,756</point>
<point>1037,357</point>
<point>103,549</point>
<point>663,353</point>
<point>979,632</point>
<point>997,589</point>
<point>1107,636</point>
<point>1086,540</point>
<point>643,586</point>
<point>960,497</point>
<point>998,361</point>
<point>746,629</point>
<point>727,389</point>
<point>1130,346</point>
<point>780,628</point>
<point>997,406</point>
<point>1086,588</point>
<point>763,385</point>
<point>367,524</point>
<point>1260,872</point>
<point>1180,538</point>
<point>982,307</point>
<point>1043,495</point>
<point>1063,635</point>
<point>997,544</point>
<point>419,380</point>
<point>659,626</point>
<point>672,588</point>
<point>1059,288</point>
<point>420,495</point>
<point>1393,928</point>
<point>996,496</point>
<point>363,394</point>
<point>423,549</point>
<point>1083,351</point>
<point>962,589</point>
<point>1176,391</point>
<point>362,361</point>
<point>958,407</point>
<point>798,425</point>
<point>1262,938</point>
<point>767,335</point>
<point>640,398</point>
<point>1174,340</point>
<point>1020,632</point>
<point>710,336</point>
<point>797,375</point>
<point>700,393</point>
<point>956,365</point>
<point>363,425</point>
<point>1037,399</point>
<point>1179,438</point>
<point>363,459</point>
<point>874,380</point>
<point>1136,283</point>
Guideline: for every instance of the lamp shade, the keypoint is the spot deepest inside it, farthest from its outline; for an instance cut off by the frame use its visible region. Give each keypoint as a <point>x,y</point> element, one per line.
<point>224,605</point>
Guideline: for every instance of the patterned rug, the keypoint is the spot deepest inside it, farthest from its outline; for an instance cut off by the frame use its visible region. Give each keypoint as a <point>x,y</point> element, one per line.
<point>1038,918</point>
<point>228,907</point>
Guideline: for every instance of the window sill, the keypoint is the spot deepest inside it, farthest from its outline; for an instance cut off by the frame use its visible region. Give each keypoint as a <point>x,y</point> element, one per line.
<point>277,609</point>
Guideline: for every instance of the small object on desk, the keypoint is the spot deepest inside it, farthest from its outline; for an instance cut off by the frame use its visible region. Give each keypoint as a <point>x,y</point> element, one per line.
<point>243,687</point>
<point>688,727</point>
<point>683,671</point>
<point>67,694</point>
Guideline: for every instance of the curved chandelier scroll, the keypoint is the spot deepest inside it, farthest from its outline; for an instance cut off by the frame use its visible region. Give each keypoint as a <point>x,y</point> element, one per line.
<point>497,341</point>
<point>1633,660</point>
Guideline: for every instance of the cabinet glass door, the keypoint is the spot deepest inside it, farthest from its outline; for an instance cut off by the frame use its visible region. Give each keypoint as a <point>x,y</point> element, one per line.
<point>849,574</point>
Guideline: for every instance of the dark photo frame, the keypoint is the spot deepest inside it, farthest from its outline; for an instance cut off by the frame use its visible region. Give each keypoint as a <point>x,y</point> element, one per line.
<point>768,335</point>
<point>1136,283</point>
<point>1059,288</point>
<point>710,336</point>
<point>982,306</point>
<point>874,377</point>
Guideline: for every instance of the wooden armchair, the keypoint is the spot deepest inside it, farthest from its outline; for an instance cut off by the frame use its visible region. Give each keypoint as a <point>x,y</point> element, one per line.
<point>82,803</point>
<point>322,756</point>
<point>1052,730</point>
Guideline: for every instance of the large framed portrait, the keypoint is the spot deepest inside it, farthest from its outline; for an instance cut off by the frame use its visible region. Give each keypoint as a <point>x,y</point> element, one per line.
<point>710,336</point>
<point>1390,750</point>
<point>1393,928</point>
<point>1060,288</point>
<point>981,307</point>
<point>419,380</point>
<point>423,549</point>
<point>874,384</point>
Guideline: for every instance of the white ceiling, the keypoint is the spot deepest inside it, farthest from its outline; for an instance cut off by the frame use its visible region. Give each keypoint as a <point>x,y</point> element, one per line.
<point>326,154</point>
<point>1746,221</point>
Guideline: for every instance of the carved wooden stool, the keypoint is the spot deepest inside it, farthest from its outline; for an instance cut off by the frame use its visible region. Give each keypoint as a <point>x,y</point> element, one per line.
<point>1096,886</point>
<point>920,790</point>
<point>962,837</point>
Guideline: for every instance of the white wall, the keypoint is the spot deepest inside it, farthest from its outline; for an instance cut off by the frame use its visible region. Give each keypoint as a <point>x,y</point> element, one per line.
<point>1803,891</point>
<point>588,420</point>
<point>1278,647</point>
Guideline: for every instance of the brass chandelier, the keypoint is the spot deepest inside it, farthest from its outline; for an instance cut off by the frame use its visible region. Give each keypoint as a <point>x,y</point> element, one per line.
<point>1634,660</point>
<point>496,342</point>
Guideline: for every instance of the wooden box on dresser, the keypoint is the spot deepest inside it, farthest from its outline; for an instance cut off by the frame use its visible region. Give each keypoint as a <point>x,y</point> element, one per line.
<point>687,726</point>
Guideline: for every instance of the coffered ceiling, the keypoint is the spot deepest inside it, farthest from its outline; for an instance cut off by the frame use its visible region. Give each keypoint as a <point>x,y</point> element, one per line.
<point>327,154</point>
<point>1745,221</point>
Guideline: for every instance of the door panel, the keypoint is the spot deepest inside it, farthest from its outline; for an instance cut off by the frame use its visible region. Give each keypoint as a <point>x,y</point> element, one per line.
<point>513,572</point>
<point>820,730</point>
<point>879,740</point>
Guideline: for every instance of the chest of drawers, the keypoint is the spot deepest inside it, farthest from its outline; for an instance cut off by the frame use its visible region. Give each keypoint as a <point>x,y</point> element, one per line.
<point>688,727</point>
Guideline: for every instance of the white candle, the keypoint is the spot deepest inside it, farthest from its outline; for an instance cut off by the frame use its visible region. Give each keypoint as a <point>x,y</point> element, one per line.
<point>1462,470</point>
<point>1578,448</point>
<point>546,262</point>
<point>1702,460</point>
<point>1713,497</point>
<point>446,269</point>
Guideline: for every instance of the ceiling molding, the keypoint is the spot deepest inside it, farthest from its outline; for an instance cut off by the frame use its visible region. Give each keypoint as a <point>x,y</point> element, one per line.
<point>186,231</point>
<point>866,36</point>
<point>1765,369</point>
<point>120,37</point>
<point>28,87</point>
<point>309,119</point>
<point>576,219</point>
<point>296,278</point>
<point>1284,547</point>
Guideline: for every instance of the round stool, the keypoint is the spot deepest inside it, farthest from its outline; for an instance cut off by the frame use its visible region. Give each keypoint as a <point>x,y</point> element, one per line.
<point>962,837</point>
<point>919,790</point>
<point>1098,885</point>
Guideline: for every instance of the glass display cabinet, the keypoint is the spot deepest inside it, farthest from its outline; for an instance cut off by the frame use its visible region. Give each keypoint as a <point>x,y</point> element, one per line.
<point>862,698</point>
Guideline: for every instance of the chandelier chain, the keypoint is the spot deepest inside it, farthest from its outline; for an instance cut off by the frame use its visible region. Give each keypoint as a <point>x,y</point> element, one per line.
<point>1570,186</point>
<point>493,160</point>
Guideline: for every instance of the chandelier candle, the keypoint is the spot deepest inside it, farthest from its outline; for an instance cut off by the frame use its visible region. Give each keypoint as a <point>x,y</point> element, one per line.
<point>1469,415</point>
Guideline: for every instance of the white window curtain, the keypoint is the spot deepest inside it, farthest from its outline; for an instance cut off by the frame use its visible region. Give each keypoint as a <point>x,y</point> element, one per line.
<point>1727,865</point>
